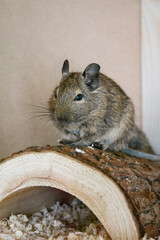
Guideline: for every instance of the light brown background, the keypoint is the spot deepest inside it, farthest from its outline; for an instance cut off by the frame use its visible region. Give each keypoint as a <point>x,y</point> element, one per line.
<point>38,35</point>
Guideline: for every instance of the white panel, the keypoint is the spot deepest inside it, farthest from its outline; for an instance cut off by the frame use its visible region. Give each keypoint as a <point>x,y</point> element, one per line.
<point>151,71</point>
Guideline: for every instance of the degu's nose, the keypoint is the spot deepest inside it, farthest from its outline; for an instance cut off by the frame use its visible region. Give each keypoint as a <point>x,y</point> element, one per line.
<point>62,119</point>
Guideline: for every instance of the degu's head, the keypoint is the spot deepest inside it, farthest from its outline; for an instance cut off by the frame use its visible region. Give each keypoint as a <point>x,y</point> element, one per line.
<point>75,97</point>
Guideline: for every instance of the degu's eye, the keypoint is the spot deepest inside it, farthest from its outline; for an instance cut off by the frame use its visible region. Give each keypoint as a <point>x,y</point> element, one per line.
<point>78,97</point>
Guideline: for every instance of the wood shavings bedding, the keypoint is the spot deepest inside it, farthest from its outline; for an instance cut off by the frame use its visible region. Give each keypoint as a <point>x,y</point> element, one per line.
<point>60,222</point>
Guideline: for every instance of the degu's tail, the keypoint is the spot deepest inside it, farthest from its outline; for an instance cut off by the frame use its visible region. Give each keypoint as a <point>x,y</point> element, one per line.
<point>140,154</point>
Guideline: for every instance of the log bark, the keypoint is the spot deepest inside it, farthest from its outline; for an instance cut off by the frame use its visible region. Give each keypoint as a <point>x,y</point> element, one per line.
<point>122,191</point>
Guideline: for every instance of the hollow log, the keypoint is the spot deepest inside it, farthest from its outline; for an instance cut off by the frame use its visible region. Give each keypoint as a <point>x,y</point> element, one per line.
<point>122,191</point>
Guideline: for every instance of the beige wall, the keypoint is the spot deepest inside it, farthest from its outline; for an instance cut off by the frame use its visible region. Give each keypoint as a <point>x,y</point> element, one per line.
<point>37,35</point>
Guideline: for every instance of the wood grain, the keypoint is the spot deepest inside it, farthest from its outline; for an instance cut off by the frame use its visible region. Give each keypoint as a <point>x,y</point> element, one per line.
<point>151,71</point>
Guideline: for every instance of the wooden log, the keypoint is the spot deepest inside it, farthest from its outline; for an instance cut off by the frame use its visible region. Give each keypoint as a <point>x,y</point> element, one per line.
<point>122,191</point>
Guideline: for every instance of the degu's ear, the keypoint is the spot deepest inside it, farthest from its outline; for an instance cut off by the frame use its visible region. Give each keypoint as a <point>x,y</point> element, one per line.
<point>65,68</point>
<point>91,76</point>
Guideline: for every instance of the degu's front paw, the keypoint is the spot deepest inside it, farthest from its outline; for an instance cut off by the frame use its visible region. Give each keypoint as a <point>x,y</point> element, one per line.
<point>65,142</point>
<point>97,145</point>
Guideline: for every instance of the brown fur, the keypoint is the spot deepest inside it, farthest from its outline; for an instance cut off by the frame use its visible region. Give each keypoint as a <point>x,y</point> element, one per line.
<point>105,115</point>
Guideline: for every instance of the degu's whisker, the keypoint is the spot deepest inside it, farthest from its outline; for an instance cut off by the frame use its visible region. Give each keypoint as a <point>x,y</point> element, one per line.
<point>38,111</point>
<point>34,106</point>
<point>42,116</point>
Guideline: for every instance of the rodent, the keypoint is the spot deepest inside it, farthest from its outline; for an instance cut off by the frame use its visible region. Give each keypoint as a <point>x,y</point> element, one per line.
<point>92,109</point>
